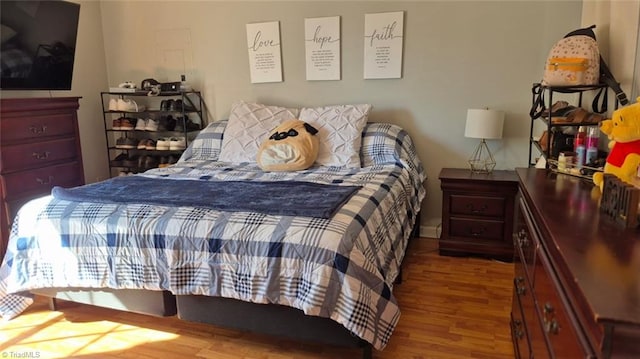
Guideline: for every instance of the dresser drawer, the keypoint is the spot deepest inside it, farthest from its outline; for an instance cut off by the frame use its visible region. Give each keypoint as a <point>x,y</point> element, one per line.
<point>485,206</point>
<point>24,129</point>
<point>41,180</point>
<point>555,319</point>
<point>476,228</point>
<point>35,155</point>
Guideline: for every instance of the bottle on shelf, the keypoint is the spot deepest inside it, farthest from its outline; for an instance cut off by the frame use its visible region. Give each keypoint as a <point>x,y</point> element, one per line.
<point>579,147</point>
<point>592,145</point>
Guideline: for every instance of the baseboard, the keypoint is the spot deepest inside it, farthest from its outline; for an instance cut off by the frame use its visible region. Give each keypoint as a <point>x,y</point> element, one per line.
<point>430,231</point>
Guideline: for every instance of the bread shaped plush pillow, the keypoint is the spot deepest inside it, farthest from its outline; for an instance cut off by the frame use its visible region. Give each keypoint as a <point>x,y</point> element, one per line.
<point>292,146</point>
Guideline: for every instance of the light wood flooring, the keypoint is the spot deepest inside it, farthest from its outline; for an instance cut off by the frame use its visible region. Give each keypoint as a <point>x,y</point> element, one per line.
<point>451,308</point>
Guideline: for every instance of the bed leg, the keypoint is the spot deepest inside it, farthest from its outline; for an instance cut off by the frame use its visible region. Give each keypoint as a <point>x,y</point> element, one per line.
<point>52,304</point>
<point>367,352</point>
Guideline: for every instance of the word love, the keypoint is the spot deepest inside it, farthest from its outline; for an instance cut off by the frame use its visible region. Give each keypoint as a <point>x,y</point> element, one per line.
<point>258,43</point>
<point>386,34</point>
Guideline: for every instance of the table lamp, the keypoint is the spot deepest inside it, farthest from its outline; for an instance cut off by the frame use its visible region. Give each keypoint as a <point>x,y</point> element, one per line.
<point>484,124</point>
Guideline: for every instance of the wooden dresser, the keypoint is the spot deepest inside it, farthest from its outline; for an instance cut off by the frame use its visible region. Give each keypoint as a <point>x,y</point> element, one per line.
<point>39,149</point>
<point>577,274</point>
<point>477,213</point>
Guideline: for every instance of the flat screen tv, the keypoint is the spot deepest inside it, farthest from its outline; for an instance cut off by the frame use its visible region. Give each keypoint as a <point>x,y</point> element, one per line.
<point>38,44</point>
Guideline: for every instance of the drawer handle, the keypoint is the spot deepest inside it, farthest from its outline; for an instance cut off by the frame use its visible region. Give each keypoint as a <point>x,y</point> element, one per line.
<point>521,239</point>
<point>45,181</point>
<point>477,233</point>
<point>41,155</point>
<point>472,208</point>
<point>517,329</point>
<point>38,130</point>
<point>520,288</point>
<point>551,325</point>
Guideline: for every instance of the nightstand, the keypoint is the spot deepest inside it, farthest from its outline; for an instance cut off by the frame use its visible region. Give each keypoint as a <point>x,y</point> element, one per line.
<point>477,213</point>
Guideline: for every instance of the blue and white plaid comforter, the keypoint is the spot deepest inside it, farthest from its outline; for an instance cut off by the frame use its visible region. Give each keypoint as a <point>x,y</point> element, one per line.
<point>342,268</point>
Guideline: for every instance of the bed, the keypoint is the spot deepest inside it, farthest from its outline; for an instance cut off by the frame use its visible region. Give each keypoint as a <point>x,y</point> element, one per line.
<point>303,276</point>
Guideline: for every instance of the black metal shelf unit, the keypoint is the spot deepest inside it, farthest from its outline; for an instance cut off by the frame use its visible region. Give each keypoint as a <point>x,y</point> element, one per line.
<point>179,116</point>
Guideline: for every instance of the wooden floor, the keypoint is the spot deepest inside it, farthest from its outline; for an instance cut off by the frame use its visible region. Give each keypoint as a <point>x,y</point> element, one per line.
<point>451,308</point>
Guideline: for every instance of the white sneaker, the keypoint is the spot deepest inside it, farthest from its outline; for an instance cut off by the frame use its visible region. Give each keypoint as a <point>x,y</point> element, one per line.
<point>152,125</point>
<point>162,144</point>
<point>113,105</point>
<point>177,143</point>
<point>128,105</point>
<point>141,124</point>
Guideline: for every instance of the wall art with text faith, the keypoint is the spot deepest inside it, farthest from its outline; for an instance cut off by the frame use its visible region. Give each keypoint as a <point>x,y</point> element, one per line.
<point>383,38</point>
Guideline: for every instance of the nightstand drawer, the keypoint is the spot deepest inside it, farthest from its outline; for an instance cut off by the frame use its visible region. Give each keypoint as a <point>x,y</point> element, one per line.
<point>474,228</point>
<point>477,205</point>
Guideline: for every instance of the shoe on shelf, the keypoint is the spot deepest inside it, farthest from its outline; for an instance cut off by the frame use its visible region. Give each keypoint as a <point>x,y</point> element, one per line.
<point>171,123</point>
<point>142,144</point>
<point>151,162</point>
<point>172,159</point>
<point>120,142</point>
<point>162,144</point>
<point>556,109</point>
<point>116,124</point>
<point>118,161</point>
<point>141,123</point>
<point>164,162</point>
<point>126,143</point>
<point>113,105</point>
<point>581,115</point>
<point>131,162</point>
<point>179,124</point>
<point>166,105</point>
<point>176,105</point>
<point>192,126</point>
<point>147,162</point>
<point>129,105</point>
<point>177,143</point>
<point>150,144</point>
<point>152,125</point>
<point>126,124</point>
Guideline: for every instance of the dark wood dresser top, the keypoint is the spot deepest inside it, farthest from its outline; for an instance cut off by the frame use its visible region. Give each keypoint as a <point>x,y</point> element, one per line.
<point>599,260</point>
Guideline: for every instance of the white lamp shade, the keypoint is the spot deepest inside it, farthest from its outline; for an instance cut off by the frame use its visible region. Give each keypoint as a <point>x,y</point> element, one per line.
<point>485,123</point>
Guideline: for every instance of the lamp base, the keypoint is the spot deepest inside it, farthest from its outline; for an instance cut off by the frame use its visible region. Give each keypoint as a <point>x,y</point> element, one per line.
<point>482,160</point>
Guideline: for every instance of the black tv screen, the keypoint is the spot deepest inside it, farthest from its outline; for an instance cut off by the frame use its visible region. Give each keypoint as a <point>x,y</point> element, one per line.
<point>38,44</point>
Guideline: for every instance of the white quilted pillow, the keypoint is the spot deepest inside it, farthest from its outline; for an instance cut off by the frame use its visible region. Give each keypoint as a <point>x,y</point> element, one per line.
<point>249,125</point>
<point>340,132</point>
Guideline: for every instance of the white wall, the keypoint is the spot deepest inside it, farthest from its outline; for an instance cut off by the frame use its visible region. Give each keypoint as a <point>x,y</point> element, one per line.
<point>618,33</point>
<point>89,78</point>
<point>457,55</point>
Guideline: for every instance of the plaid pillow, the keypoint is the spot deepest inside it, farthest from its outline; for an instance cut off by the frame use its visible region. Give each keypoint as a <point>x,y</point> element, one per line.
<point>206,146</point>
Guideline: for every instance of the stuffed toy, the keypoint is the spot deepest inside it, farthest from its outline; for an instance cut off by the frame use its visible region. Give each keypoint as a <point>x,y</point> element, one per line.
<point>623,131</point>
<point>292,146</point>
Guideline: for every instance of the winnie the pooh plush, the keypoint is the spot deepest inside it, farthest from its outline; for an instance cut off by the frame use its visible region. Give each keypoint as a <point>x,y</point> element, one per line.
<point>623,131</point>
<point>292,146</point>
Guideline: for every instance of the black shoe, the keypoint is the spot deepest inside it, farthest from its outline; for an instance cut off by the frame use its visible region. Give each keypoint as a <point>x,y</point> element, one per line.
<point>170,123</point>
<point>192,126</point>
<point>119,160</point>
<point>176,105</point>
<point>131,162</point>
<point>166,105</point>
<point>150,162</point>
<point>179,124</point>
